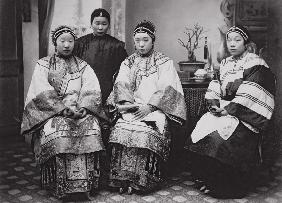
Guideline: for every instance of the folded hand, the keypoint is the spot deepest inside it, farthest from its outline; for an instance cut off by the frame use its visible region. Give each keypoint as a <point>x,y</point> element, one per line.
<point>67,112</point>
<point>142,111</point>
<point>82,112</point>
<point>77,114</point>
<point>216,111</point>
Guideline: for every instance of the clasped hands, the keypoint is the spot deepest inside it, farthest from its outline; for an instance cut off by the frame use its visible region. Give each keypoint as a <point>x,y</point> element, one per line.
<point>139,111</point>
<point>216,111</point>
<point>74,113</point>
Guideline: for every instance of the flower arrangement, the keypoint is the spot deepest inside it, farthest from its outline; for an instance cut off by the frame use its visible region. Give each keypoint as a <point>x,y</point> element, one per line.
<point>194,35</point>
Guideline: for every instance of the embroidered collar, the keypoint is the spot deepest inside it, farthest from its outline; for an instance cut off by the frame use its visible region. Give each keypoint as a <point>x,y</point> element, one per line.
<point>240,57</point>
<point>148,54</point>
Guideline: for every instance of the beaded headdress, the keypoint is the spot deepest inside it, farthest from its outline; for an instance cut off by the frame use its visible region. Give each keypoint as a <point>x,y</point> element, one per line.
<point>240,30</point>
<point>146,26</point>
<point>60,30</point>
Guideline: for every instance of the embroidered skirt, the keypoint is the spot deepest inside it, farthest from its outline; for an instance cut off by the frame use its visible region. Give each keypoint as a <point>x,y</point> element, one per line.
<point>68,153</point>
<point>138,151</point>
<point>136,167</point>
<point>69,173</point>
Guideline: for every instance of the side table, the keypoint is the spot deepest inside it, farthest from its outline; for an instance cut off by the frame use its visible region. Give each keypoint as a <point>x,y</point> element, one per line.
<point>196,105</point>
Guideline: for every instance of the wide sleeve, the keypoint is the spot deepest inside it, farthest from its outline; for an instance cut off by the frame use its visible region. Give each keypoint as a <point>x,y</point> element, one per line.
<point>122,90</point>
<point>90,93</point>
<point>169,97</point>
<point>42,101</point>
<point>213,94</point>
<point>254,99</point>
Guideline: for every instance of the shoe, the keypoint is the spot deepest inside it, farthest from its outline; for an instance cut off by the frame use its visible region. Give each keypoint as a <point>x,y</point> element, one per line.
<point>129,190</point>
<point>203,188</point>
<point>207,191</point>
<point>121,190</point>
<point>198,184</point>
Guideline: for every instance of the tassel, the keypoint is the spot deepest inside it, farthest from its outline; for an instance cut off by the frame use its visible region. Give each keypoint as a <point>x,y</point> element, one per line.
<point>206,49</point>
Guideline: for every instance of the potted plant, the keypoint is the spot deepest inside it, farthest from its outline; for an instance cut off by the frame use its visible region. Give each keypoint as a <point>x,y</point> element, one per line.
<point>194,35</point>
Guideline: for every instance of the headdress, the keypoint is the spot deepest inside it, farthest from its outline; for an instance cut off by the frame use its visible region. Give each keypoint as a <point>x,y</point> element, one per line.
<point>146,26</point>
<point>60,30</point>
<point>240,30</point>
<point>100,12</point>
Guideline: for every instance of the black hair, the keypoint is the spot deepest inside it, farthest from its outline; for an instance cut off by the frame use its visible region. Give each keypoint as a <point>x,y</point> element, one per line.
<point>100,12</point>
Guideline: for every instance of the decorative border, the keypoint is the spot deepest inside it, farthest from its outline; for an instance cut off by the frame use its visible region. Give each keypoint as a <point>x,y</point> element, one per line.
<point>252,12</point>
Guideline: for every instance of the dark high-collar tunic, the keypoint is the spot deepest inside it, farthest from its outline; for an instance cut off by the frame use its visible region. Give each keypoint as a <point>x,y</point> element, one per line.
<point>104,54</point>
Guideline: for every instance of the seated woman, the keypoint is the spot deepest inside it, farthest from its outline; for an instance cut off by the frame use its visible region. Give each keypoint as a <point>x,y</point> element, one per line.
<point>60,119</point>
<point>148,93</point>
<point>226,140</point>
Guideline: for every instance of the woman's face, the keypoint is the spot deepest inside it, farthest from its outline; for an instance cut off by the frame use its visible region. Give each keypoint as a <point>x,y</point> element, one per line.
<point>100,26</point>
<point>65,44</point>
<point>143,43</point>
<point>235,44</point>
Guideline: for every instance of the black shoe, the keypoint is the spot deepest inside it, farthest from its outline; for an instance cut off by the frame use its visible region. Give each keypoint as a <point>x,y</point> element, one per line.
<point>198,184</point>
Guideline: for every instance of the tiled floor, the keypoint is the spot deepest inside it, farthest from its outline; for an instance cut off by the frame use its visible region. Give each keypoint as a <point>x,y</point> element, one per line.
<point>19,182</point>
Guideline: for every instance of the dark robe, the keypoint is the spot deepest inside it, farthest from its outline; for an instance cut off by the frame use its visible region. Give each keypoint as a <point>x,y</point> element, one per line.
<point>246,91</point>
<point>104,54</point>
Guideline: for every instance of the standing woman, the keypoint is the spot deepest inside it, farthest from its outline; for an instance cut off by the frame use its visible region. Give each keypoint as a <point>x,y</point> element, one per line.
<point>241,102</point>
<point>101,51</point>
<point>147,93</point>
<point>60,119</point>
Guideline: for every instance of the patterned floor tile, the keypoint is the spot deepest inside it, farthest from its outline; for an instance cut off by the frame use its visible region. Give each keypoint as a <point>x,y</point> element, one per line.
<point>192,193</point>
<point>12,177</point>
<point>2,187</point>
<point>32,187</point>
<point>20,168</point>
<point>25,198</point>
<point>163,193</point>
<point>241,200</point>
<point>175,178</point>
<point>22,182</point>
<point>19,182</point>
<point>271,200</point>
<point>179,199</point>
<point>26,160</point>
<point>279,194</point>
<point>28,173</point>
<point>188,183</point>
<point>14,192</point>
<point>176,187</point>
<point>149,198</point>
<point>118,198</point>
<point>210,200</point>
<point>36,178</point>
<point>42,192</point>
<point>18,155</point>
<point>253,194</point>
